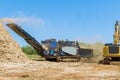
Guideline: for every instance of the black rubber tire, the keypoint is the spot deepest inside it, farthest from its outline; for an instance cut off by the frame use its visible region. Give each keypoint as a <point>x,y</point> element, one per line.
<point>106,61</point>
<point>58,59</point>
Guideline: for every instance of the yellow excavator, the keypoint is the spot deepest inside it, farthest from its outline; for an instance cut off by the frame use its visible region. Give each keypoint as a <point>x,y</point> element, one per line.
<point>111,52</point>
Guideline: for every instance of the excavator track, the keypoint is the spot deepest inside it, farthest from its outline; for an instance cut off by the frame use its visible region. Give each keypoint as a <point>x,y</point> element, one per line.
<point>105,61</point>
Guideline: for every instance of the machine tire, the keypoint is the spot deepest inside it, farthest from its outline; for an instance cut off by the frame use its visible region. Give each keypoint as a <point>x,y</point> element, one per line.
<point>78,59</point>
<point>58,59</point>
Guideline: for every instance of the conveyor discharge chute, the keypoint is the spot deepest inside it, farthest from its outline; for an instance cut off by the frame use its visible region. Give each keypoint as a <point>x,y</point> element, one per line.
<point>28,38</point>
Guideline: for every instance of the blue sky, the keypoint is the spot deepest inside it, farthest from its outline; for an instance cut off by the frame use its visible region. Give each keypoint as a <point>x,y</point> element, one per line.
<point>82,20</point>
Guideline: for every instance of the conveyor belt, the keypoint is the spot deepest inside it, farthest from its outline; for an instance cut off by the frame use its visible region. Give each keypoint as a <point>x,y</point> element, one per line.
<point>28,38</point>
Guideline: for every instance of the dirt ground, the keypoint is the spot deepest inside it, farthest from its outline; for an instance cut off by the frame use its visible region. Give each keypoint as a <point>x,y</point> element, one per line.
<point>45,70</point>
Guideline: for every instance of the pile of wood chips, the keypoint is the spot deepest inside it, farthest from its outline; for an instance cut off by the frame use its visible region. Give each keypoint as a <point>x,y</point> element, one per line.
<point>10,51</point>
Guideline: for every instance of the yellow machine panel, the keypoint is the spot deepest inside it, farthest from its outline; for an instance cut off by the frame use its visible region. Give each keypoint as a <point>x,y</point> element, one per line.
<point>111,51</point>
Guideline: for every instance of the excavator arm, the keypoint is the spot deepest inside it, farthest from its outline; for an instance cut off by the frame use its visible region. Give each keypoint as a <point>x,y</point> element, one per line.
<point>28,38</point>
<point>116,34</point>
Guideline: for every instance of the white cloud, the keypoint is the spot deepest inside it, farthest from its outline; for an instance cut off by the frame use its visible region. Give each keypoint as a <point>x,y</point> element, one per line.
<point>27,20</point>
<point>92,39</point>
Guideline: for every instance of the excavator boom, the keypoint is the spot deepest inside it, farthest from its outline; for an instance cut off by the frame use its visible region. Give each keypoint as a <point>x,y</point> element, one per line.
<point>116,34</point>
<point>28,38</point>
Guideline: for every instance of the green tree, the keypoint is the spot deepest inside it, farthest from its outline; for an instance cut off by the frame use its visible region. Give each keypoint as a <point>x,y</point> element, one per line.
<point>28,50</point>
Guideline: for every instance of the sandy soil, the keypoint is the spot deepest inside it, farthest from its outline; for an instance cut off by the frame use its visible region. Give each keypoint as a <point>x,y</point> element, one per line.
<point>45,70</point>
